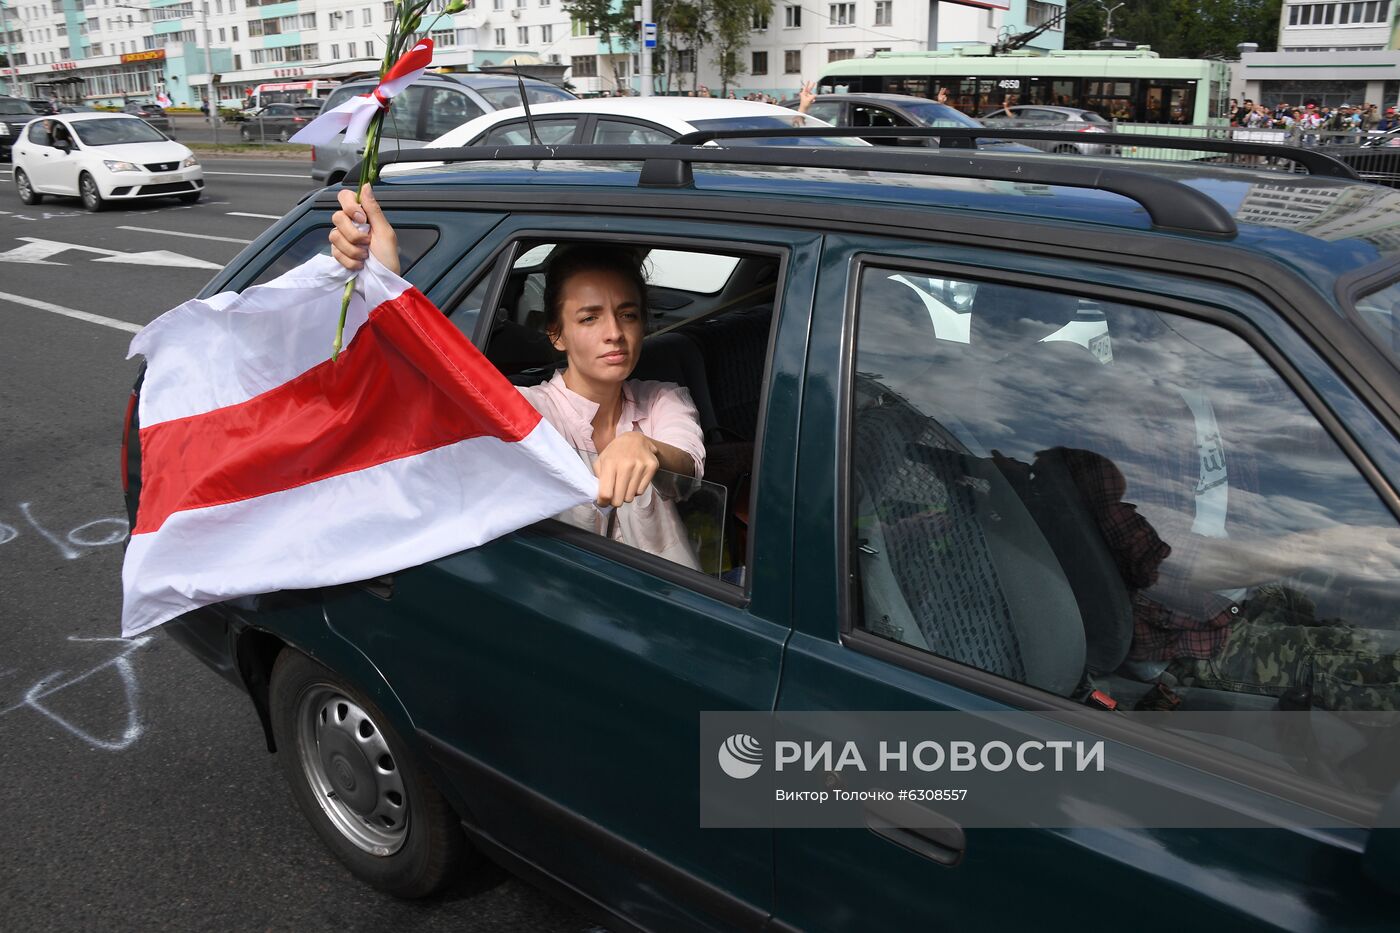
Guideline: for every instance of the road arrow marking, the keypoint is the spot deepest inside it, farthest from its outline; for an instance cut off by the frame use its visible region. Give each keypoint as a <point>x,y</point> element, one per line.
<point>36,251</point>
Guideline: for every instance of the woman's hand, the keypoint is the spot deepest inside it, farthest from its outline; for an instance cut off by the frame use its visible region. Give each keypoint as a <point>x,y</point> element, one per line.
<point>806,97</point>
<point>350,244</point>
<point>625,468</point>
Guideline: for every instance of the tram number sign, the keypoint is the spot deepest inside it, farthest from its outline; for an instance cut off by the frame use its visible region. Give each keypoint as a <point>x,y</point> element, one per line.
<point>1009,84</point>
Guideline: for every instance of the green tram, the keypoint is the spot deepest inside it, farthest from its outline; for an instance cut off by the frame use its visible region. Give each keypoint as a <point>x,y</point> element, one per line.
<point>1129,87</point>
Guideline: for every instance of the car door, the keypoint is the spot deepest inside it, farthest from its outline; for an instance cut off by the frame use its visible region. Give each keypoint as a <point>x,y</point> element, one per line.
<point>932,580</point>
<point>623,131</point>
<point>40,160</point>
<point>64,166</point>
<point>557,677</point>
<point>832,111</point>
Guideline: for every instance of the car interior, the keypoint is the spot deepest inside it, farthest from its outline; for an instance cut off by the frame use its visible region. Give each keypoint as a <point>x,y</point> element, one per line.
<point>708,324</point>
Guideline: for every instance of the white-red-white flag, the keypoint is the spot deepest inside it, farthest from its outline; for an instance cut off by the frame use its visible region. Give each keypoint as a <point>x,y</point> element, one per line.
<point>265,466</point>
<point>353,115</point>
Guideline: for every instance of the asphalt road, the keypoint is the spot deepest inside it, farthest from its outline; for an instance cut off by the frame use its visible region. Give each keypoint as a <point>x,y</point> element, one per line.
<point>139,794</point>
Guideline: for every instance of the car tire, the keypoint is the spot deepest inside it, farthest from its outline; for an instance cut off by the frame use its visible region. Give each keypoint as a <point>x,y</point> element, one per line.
<point>356,782</point>
<point>247,134</point>
<point>89,192</point>
<point>27,194</point>
<point>283,136</point>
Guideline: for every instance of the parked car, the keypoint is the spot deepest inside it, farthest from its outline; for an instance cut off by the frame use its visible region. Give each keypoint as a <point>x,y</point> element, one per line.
<point>14,114</point>
<point>277,122</point>
<point>43,106</point>
<point>77,108</point>
<point>1376,159</point>
<point>608,121</point>
<point>433,106</point>
<point>102,158</point>
<point>151,112</point>
<point>906,367</point>
<point>896,110</point>
<point>1053,119</point>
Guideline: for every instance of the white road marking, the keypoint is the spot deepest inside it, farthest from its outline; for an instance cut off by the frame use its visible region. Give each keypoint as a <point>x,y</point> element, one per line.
<point>259,216</point>
<point>36,251</point>
<point>69,312</point>
<point>259,175</point>
<point>192,236</point>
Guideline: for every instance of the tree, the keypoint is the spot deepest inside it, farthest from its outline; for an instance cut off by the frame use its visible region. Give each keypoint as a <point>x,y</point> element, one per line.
<point>733,21</point>
<point>681,25</point>
<point>607,23</point>
<point>1179,28</point>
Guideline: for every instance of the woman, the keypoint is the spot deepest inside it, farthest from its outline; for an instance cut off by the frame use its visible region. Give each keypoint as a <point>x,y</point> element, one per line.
<point>595,314</point>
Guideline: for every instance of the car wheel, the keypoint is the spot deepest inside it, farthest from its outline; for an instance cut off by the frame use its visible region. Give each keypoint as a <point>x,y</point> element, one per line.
<point>191,198</point>
<point>354,780</point>
<point>27,194</point>
<point>87,189</point>
<point>282,136</point>
<point>247,134</point>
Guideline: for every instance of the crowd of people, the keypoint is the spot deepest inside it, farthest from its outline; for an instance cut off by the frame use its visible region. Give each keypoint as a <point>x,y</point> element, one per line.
<point>1326,124</point>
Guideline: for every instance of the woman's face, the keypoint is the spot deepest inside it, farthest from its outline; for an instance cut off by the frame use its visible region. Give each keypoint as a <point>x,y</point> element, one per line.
<point>601,325</point>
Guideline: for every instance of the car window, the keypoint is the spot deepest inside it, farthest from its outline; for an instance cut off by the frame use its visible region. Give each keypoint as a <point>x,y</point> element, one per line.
<point>405,113</point>
<point>505,96</point>
<point>866,115</point>
<point>447,109</point>
<point>708,322</point>
<point>117,131</point>
<point>1077,494</point>
<point>1037,115</point>
<point>343,93</point>
<point>414,243</point>
<point>828,110</point>
<point>623,132</point>
<point>39,134</point>
<point>550,131</point>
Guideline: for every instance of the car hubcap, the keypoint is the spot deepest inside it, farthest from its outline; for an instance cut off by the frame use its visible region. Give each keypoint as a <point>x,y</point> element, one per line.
<point>351,770</point>
<point>23,182</point>
<point>89,191</point>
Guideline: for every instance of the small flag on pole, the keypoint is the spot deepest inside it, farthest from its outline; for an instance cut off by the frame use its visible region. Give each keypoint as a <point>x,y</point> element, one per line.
<point>354,115</point>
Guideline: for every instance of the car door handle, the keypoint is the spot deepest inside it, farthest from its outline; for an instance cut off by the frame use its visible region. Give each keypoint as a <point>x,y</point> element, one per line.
<point>918,829</point>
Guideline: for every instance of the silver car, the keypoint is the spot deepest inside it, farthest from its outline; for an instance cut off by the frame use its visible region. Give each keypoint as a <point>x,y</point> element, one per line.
<point>1057,119</point>
<point>434,105</point>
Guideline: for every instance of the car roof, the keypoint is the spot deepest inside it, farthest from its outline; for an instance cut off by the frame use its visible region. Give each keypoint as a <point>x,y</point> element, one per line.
<point>1320,227</point>
<point>472,80</point>
<point>881,98</point>
<point>104,115</point>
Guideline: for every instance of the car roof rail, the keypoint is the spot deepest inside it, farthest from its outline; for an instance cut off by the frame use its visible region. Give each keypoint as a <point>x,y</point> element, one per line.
<point>1170,204</point>
<point>1315,161</point>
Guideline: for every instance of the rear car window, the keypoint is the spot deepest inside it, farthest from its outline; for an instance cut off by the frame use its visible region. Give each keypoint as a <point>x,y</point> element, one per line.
<point>414,243</point>
<point>508,95</point>
<point>776,122</point>
<point>1377,311</point>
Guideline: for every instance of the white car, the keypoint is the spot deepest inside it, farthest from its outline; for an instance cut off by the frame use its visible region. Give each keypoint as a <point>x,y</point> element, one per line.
<point>608,121</point>
<point>102,157</point>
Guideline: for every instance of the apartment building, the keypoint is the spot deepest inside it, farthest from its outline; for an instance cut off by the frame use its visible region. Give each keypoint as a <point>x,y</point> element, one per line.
<point>1329,52</point>
<point>105,51</point>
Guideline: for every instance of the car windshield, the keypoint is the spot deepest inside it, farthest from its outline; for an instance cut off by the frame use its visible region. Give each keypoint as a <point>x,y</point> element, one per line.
<point>932,114</point>
<point>508,95</point>
<point>307,111</point>
<point>774,122</point>
<point>116,132</point>
<point>12,107</point>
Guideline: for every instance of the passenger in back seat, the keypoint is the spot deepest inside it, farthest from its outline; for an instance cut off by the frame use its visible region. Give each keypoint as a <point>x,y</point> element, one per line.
<point>595,313</point>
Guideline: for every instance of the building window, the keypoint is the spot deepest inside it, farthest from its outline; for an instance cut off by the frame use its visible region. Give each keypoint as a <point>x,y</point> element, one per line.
<point>234,33</point>
<point>498,4</point>
<point>522,35</point>
<point>584,66</point>
<point>841,14</point>
<point>352,53</point>
<point>759,65</point>
<point>365,16</point>
<point>1366,13</point>
<point>444,38</point>
<point>792,16</point>
<point>546,34</point>
<point>760,22</point>
<point>839,55</point>
<point>222,32</point>
<point>369,49</point>
<point>389,11</point>
<point>792,62</point>
<point>308,21</point>
<point>582,27</point>
<point>500,37</point>
<point>884,12</point>
<point>335,51</point>
<point>1038,14</point>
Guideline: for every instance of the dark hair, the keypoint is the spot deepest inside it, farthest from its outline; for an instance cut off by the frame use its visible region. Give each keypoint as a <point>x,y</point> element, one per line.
<point>568,261</point>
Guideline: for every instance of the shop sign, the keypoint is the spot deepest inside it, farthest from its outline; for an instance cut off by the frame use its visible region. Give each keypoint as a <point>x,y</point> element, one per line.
<point>150,55</point>
<point>64,66</point>
<point>288,72</point>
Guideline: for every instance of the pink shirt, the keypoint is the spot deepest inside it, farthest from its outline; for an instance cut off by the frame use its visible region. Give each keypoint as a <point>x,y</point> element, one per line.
<point>663,411</point>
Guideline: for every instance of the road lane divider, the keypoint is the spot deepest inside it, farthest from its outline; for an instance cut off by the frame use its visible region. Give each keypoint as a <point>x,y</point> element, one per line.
<point>259,175</point>
<point>192,236</point>
<point>70,312</point>
<point>259,216</point>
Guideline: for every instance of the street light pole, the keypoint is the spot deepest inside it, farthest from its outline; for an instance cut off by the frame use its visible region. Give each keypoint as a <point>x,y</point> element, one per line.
<point>9,48</point>
<point>1108,26</point>
<point>209,71</point>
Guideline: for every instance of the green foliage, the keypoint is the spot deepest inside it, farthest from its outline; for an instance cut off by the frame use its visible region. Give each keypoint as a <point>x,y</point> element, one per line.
<point>1180,28</point>
<point>733,23</point>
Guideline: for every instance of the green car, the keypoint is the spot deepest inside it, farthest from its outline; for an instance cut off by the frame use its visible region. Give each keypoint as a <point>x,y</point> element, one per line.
<point>959,410</point>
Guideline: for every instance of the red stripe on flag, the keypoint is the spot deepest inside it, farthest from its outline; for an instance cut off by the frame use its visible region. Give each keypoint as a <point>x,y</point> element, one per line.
<point>408,383</point>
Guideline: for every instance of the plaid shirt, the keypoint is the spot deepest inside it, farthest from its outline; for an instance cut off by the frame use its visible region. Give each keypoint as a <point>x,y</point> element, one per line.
<point>1159,632</point>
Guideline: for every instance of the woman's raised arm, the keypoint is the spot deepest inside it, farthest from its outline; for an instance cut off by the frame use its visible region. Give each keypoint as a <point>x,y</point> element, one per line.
<point>351,243</point>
